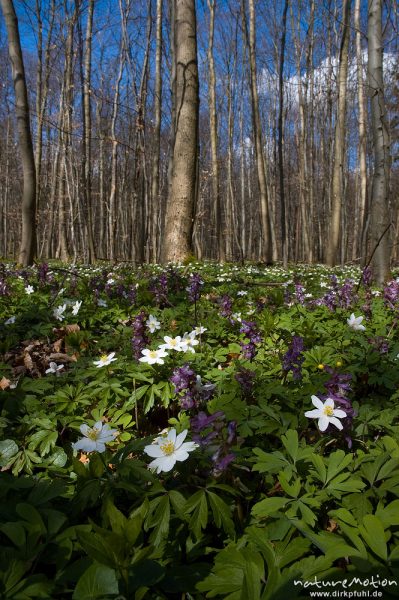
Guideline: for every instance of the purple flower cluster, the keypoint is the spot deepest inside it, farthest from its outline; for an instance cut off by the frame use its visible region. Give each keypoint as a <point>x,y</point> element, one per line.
<point>379,344</point>
<point>226,306</point>
<point>391,294</point>
<point>245,378</point>
<point>159,287</point>
<point>299,293</point>
<point>217,437</point>
<point>42,273</point>
<point>139,339</point>
<point>367,277</point>
<point>189,387</point>
<point>249,329</point>
<point>346,294</point>
<point>194,287</point>
<point>293,359</point>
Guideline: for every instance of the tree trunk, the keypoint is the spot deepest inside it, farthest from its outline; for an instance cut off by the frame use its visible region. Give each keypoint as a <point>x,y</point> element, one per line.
<point>380,219</point>
<point>214,137</point>
<point>359,241</point>
<point>28,239</point>
<point>267,254</point>
<point>88,211</point>
<point>153,229</point>
<point>280,137</point>
<point>177,244</point>
<point>337,193</point>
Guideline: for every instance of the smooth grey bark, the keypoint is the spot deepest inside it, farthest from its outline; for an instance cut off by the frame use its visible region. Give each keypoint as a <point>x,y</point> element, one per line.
<point>337,191</point>
<point>28,238</point>
<point>177,244</point>
<point>380,222</point>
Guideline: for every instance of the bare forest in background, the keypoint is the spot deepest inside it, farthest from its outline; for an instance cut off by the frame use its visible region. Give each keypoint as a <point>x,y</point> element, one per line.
<point>285,161</point>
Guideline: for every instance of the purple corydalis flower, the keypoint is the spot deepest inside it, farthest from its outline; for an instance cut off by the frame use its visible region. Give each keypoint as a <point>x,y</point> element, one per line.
<point>249,329</point>
<point>300,293</point>
<point>380,344</point>
<point>367,276</point>
<point>202,420</point>
<point>42,272</point>
<point>139,339</point>
<point>293,359</point>
<point>194,287</point>
<point>391,294</point>
<point>226,306</point>
<point>245,378</point>
<point>159,287</point>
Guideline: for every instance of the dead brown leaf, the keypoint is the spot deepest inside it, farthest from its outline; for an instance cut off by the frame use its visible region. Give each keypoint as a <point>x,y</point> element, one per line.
<point>4,383</point>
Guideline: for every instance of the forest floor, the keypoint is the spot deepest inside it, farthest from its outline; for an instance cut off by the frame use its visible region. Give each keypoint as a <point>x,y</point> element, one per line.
<point>198,431</point>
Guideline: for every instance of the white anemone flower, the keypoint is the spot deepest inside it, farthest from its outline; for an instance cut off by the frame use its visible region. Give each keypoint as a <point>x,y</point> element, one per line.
<point>29,289</point>
<point>153,357</point>
<point>168,449</point>
<point>95,437</point>
<point>153,324</point>
<point>242,293</point>
<point>59,312</point>
<point>200,330</point>
<point>172,343</point>
<point>189,341</point>
<point>105,360</point>
<point>76,307</point>
<point>54,368</point>
<point>356,323</point>
<point>10,321</point>
<point>326,413</point>
<point>102,303</point>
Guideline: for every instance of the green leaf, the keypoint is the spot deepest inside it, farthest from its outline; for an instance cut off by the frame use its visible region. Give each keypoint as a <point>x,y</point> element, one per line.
<point>221,513</point>
<point>8,449</point>
<point>318,464</point>
<point>389,515</point>
<point>290,441</point>
<point>98,548</point>
<point>268,506</point>
<point>97,583</point>
<point>337,462</point>
<point>373,534</point>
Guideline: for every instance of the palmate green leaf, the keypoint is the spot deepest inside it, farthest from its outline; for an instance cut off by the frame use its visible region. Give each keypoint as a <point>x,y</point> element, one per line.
<point>97,583</point>
<point>290,441</point>
<point>198,506</point>
<point>320,469</point>
<point>344,482</point>
<point>293,489</point>
<point>269,463</point>
<point>372,531</point>
<point>337,462</point>
<point>159,520</point>
<point>98,548</point>
<point>268,506</point>
<point>44,440</point>
<point>236,575</point>
<point>221,513</point>
<point>388,515</point>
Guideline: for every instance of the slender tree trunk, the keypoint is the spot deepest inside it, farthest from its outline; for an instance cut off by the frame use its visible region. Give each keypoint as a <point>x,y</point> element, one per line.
<point>337,194</point>
<point>155,201</point>
<point>213,125</point>
<point>359,241</point>
<point>28,239</point>
<point>181,202</point>
<point>88,210</point>
<point>380,218</point>
<point>280,136</point>
<point>267,253</point>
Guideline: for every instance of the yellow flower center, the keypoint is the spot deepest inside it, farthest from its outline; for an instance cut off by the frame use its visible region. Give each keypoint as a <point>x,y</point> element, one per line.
<point>329,411</point>
<point>320,366</point>
<point>93,434</point>
<point>168,448</point>
<point>103,358</point>
<point>153,354</point>
<point>173,342</point>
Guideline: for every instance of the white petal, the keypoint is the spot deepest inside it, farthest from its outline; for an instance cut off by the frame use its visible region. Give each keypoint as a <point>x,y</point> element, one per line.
<point>85,444</point>
<point>314,414</point>
<point>171,437</point>
<point>98,426</point>
<point>153,450</point>
<point>85,429</point>
<point>329,402</point>
<point>323,423</point>
<point>180,438</point>
<point>336,422</point>
<point>164,463</point>
<point>317,402</point>
<point>339,413</point>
